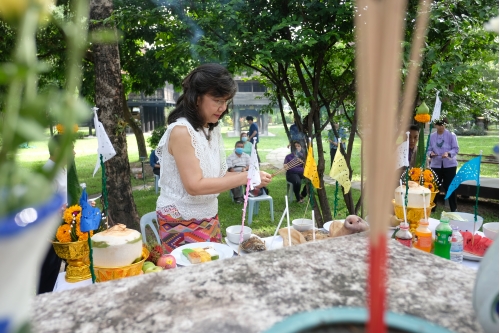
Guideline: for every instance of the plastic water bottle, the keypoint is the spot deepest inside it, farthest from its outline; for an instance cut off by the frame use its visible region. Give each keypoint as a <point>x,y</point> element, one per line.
<point>457,246</point>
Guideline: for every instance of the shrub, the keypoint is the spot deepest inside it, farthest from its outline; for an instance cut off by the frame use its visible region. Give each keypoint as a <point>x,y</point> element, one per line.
<point>473,131</point>
<point>155,137</point>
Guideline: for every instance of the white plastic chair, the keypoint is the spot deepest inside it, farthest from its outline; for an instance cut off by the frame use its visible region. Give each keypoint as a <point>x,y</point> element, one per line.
<point>147,220</point>
<point>253,207</point>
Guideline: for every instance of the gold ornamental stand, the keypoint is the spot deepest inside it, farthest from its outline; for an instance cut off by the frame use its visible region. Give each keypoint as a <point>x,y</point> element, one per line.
<point>77,256</point>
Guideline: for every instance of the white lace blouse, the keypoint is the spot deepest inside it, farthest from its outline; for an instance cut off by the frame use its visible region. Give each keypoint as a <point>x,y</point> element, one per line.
<point>173,197</point>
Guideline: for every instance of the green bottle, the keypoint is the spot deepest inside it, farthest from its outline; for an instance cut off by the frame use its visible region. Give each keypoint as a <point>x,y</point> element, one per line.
<point>442,244</point>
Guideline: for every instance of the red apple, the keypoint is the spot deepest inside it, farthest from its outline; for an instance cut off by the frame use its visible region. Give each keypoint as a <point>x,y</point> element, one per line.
<point>167,261</point>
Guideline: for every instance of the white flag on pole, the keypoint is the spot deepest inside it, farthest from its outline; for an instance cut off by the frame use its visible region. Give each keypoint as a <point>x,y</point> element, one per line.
<point>402,153</point>
<point>254,170</point>
<point>437,108</point>
<point>104,146</point>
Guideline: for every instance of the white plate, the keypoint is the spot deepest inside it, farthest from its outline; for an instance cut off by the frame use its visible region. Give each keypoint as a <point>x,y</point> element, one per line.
<point>223,250</point>
<point>327,225</point>
<point>472,257</point>
<point>278,243</point>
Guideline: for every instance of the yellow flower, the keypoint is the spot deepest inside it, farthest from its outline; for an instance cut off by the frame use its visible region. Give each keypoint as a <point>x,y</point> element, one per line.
<point>60,128</point>
<point>428,176</point>
<point>430,186</point>
<point>82,236</point>
<point>422,118</point>
<point>415,174</point>
<point>63,233</point>
<point>74,211</point>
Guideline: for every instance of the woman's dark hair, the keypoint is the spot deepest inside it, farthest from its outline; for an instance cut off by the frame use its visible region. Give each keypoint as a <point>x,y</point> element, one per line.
<point>414,128</point>
<point>442,121</point>
<point>212,79</point>
<point>54,144</point>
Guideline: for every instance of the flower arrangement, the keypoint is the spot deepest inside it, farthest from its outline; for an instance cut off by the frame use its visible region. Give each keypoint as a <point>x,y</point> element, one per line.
<point>422,115</point>
<point>69,230</point>
<point>425,177</point>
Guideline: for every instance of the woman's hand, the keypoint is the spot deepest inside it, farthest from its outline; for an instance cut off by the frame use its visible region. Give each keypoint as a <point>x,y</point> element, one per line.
<point>265,179</point>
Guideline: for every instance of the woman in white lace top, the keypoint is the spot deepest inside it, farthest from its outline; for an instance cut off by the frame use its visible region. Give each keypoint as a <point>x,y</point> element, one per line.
<point>193,162</point>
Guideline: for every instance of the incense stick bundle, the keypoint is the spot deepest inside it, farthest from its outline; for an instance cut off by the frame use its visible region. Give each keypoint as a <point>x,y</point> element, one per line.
<point>292,164</point>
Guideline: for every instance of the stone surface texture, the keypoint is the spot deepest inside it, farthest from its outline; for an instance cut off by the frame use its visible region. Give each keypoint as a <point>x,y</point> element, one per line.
<point>251,293</point>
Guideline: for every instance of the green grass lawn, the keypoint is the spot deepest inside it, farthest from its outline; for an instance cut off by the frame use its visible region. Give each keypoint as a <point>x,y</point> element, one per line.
<point>229,212</point>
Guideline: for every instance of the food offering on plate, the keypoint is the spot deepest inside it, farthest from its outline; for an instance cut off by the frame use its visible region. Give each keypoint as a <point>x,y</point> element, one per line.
<point>351,225</point>
<point>253,244</point>
<point>477,244</point>
<point>198,255</point>
<point>116,247</point>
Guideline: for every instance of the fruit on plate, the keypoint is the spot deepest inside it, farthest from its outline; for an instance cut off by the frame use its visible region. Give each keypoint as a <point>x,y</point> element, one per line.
<point>166,261</point>
<point>147,265</point>
<point>475,244</point>
<point>153,269</point>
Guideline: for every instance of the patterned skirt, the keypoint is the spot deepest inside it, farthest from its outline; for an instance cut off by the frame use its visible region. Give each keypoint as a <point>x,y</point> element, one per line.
<point>175,231</point>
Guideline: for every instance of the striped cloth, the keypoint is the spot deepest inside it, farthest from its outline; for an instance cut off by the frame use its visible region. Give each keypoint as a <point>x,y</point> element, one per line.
<point>175,232</point>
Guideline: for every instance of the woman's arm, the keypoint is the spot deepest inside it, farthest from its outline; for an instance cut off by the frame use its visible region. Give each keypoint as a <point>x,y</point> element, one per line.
<point>180,148</point>
<point>454,146</point>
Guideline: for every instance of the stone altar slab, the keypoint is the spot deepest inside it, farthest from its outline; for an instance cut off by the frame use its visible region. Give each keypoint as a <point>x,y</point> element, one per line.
<point>251,293</point>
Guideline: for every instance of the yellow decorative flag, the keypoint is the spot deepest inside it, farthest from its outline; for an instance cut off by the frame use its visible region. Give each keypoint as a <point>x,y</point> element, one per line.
<point>310,169</point>
<point>340,171</point>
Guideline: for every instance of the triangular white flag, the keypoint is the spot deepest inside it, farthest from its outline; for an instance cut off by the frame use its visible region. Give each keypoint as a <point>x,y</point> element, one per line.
<point>254,170</point>
<point>104,146</point>
<point>402,153</point>
<point>437,108</point>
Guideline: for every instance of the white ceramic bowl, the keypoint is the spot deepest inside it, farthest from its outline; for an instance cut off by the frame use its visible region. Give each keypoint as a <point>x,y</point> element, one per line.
<point>233,233</point>
<point>491,230</point>
<point>302,224</point>
<point>469,224</point>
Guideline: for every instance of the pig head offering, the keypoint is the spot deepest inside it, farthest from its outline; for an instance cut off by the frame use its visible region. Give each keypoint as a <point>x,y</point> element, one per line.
<point>352,224</point>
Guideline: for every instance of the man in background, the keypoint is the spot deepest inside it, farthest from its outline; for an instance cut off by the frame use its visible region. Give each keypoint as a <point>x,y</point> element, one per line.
<point>238,161</point>
<point>253,133</point>
<point>413,140</point>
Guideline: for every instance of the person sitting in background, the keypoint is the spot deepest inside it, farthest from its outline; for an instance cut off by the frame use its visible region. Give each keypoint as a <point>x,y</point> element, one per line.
<point>413,139</point>
<point>154,162</point>
<point>295,174</point>
<point>296,135</point>
<point>238,161</point>
<point>247,148</point>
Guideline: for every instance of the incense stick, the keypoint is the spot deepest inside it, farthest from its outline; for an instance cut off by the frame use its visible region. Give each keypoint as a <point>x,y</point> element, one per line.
<point>292,164</point>
<point>278,228</point>
<point>425,208</point>
<point>403,201</point>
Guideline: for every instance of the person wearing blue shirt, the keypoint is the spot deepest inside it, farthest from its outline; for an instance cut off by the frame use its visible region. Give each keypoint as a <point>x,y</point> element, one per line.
<point>154,162</point>
<point>253,132</point>
<point>334,141</point>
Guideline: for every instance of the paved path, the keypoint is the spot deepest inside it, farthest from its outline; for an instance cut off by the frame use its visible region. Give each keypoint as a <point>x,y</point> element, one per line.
<point>277,156</point>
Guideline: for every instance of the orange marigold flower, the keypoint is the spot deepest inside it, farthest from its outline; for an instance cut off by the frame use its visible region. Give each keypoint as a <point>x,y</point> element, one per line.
<point>60,128</point>
<point>415,174</point>
<point>63,233</point>
<point>83,236</point>
<point>429,185</point>
<point>423,118</point>
<point>428,176</point>
<point>74,211</point>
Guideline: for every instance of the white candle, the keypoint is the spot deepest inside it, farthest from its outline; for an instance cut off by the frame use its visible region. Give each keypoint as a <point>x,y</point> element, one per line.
<point>288,222</point>
<point>425,207</point>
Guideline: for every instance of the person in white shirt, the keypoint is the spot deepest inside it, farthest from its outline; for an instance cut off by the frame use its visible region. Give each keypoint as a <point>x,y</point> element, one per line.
<point>238,161</point>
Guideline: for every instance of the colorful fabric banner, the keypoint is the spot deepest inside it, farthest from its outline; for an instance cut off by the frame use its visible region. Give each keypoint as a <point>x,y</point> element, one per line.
<point>468,171</point>
<point>402,153</point>
<point>104,146</point>
<point>437,109</point>
<point>253,170</point>
<point>340,171</point>
<point>311,169</point>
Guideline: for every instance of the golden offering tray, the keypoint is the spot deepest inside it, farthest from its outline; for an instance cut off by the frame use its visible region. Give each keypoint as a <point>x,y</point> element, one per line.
<point>103,274</point>
<point>413,215</point>
<point>76,255</point>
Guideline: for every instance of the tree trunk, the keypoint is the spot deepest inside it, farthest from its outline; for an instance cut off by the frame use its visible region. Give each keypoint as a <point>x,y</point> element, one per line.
<point>139,136</point>
<point>108,98</point>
